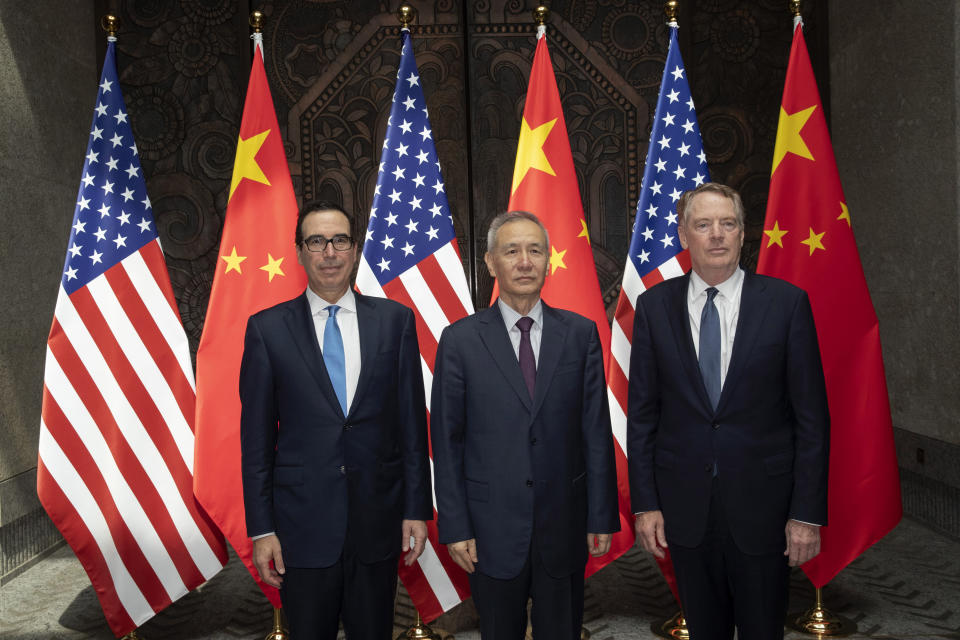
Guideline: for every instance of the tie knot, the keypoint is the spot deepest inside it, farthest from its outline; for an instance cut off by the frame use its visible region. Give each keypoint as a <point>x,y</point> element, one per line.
<point>332,310</point>
<point>524,324</point>
<point>711,293</point>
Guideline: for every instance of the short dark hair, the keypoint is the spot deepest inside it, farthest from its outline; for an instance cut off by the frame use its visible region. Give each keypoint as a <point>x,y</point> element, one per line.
<point>712,187</point>
<point>513,216</point>
<point>313,206</point>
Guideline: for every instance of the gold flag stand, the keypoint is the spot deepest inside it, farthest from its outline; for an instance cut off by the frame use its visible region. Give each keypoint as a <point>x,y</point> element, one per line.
<point>818,621</point>
<point>279,631</point>
<point>674,627</point>
<point>133,635</point>
<point>419,631</point>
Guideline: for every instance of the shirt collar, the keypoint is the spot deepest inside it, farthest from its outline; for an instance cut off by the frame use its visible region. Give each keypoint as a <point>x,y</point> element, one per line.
<point>346,302</point>
<point>727,288</point>
<point>510,316</point>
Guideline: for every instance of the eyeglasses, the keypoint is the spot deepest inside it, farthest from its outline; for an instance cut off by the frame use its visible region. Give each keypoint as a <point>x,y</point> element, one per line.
<point>318,244</point>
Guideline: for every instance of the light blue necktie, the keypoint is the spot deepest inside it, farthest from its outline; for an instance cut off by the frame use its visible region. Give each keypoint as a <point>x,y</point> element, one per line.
<point>333,356</point>
<point>710,347</point>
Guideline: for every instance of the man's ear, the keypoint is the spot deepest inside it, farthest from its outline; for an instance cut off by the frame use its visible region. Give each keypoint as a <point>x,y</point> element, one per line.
<point>489,260</point>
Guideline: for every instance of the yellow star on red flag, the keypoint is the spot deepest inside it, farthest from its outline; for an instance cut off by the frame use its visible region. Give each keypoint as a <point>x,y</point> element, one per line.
<point>789,139</point>
<point>775,235</point>
<point>530,153</point>
<point>246,164</point>
<point>273,267</point>
<point>233,261</point>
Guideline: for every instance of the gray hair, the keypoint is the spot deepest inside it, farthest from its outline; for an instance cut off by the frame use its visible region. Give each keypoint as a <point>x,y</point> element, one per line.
<point>686,199</point>
<point>513,216</point>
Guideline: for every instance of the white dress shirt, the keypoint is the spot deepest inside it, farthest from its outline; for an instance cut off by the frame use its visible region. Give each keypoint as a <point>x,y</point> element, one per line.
<point>727,302</point>
<point>349,331</point>
<point>510,317</point>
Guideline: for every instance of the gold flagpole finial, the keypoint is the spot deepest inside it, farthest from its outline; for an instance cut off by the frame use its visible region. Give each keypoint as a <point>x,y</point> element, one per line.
<point>110,24</point>
<point>670,9</point>
<point>256,21</point>
<point>795,8</point>
<point>405,15</point>
<point>540,15</point>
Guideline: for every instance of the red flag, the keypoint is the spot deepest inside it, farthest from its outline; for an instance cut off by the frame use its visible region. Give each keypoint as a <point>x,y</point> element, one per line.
<point>116,429</point>
<point>809,242</point>
<point>257,268</point>
<point>545,184</point>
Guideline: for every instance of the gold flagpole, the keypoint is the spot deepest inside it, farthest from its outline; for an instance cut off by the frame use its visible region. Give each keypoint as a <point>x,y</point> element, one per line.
<point>420,630</point>
<point>675,626</point>
<point>279,630</point>
<point>817,620</point>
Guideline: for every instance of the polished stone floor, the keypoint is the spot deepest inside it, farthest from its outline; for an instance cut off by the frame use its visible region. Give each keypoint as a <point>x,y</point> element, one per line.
<point>906,587</point>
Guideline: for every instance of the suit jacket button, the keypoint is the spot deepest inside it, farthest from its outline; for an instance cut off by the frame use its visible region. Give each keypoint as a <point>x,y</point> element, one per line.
<point>716,425</point>
<point>347,427</point>
<point>708,468</point>
<point>529,483</point>
<point>343,470</point>
<point>533,441</point>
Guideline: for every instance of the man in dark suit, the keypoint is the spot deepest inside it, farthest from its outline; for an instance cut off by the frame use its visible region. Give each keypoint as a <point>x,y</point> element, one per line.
<point>522,446</point>
<point>728,427</point>
<point>336,479</point>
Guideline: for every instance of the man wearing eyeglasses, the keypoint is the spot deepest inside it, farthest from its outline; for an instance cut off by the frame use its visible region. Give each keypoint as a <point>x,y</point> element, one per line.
<point>336,478</point>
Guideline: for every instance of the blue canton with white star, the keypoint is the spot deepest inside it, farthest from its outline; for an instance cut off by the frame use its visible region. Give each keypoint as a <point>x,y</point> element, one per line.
<point>112,218</point>
<point>675,163</point>
<point>410,218</point>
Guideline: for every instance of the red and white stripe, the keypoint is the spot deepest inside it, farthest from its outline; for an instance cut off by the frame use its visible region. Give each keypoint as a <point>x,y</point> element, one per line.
<point>437,292</point>
<point>621,336</point>
<point>116,441</point>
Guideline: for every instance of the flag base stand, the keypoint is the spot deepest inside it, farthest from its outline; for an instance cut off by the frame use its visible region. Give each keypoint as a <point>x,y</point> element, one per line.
<point>673,627</point>
<point>419,631</point>
<point>819,621</point>
<point>133,635</point>
<point>279,631</point>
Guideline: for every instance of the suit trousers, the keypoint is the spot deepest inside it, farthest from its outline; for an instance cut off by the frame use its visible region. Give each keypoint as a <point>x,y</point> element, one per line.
<point>721,586</point>
<point>363,595</point>
<point>557,611</point>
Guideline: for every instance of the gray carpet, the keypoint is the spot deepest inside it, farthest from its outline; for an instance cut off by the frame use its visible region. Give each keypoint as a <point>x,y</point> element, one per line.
<point>907,587</point>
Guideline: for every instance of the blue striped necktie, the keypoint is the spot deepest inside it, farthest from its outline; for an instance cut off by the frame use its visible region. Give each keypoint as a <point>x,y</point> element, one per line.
<point>333,356</point>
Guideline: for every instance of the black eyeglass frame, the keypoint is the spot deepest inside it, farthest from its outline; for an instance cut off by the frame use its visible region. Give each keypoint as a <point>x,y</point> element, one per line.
<point>345,243</point>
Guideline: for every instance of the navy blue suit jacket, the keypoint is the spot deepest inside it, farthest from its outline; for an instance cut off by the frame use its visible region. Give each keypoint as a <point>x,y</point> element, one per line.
<point>769,434</point>
<point>510,469</point>
<point>309,472</point>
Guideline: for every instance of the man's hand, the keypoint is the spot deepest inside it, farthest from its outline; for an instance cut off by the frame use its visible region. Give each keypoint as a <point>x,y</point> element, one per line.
<point>265,551</point>
<point>598,543</point>
<point>803,542</point>
<point>416,529</point>
<point>650,533</point>
<point>464,553</point>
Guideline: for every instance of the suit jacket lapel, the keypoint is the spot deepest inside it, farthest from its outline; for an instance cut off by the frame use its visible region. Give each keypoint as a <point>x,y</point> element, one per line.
<point>368,324</point>
<point>552,340</point>
<point>300,322</point>
<point>753,308</point>
<point>494,336</point>
<point>679,318</point>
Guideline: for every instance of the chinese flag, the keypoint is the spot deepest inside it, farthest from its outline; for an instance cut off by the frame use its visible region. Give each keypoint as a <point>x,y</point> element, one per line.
<point>544,183</point>
<point>809,242</point>
<point>257,268</point>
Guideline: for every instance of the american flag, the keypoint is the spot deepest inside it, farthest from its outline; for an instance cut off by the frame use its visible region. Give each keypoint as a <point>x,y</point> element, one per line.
<point>115,468</point>
<point>675,163</point>
<point>410,255</point>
